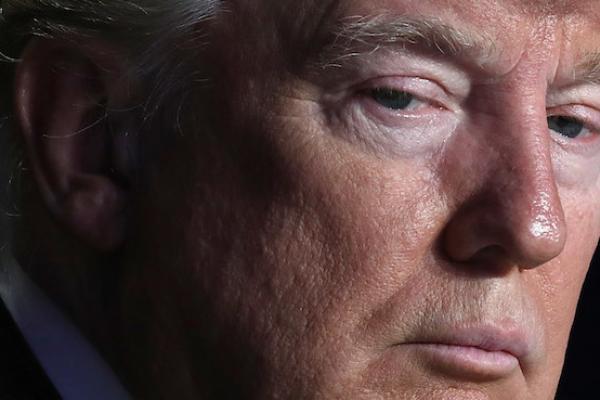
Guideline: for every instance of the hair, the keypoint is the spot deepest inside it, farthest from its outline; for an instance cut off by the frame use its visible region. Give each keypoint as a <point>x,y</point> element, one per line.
<point>156,34</point>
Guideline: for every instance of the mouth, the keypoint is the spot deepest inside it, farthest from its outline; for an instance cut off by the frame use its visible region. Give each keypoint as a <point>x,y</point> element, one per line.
<point>473,352</point>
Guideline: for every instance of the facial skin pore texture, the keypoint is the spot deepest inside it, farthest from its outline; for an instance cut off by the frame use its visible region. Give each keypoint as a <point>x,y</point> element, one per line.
<point>364,199</point>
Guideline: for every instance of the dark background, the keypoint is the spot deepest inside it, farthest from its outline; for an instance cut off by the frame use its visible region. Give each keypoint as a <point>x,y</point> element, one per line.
<point>581,375</point>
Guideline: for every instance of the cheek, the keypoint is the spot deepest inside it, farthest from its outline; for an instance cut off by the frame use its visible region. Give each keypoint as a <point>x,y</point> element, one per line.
<point>351,234</point>
<point>373,220</point>
<point>558,284</point>
<point>301,273</point>
<point>583,229</point>
<point>576,171</point>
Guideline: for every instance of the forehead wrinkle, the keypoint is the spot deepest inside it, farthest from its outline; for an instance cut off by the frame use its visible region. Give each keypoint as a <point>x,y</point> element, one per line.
<point>552,7</point>
<point>357,36</point>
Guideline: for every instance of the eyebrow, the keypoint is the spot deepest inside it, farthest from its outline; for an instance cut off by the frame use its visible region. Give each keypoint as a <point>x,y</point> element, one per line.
<point>357,36</point>
<point>588,70</point>
<point>363,36</point>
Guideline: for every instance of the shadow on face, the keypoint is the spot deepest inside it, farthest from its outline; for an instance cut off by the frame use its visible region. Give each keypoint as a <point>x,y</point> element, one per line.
<point>367,200</point>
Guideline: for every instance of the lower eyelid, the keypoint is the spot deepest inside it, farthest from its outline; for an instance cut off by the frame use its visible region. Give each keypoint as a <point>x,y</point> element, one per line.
<point>412,112</point>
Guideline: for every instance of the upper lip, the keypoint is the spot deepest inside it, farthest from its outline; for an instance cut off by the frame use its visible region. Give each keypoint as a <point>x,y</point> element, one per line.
<point>487,337</point>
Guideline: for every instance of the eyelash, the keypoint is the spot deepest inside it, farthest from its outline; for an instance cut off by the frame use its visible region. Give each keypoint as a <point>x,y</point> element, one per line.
<point>576,114</point>
<point>429,96</point>
<point>384,91</point>
<point>593,129</point>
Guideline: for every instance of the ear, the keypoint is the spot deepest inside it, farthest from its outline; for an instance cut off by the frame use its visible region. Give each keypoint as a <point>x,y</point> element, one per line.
<point>64,96</point>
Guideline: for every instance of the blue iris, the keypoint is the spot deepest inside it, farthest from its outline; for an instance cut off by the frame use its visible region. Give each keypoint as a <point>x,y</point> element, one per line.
<point>392,99</point>
<point>566,126</point>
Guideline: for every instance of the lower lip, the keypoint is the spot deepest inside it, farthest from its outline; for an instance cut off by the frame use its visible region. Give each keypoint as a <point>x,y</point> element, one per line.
<point>467,361</point>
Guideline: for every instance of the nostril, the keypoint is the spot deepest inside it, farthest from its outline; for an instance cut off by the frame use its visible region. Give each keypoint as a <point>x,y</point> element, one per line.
<point>490,255</point>
<point>491,260</point>
<point>488,236</point>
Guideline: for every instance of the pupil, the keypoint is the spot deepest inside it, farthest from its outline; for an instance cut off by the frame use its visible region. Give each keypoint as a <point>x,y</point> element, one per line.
<point>393,99</point>
<point>566,126</point>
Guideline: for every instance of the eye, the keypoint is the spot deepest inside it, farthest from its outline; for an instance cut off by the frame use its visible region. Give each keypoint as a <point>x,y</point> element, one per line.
<point>567,126</point>
<point>399,115</point>
<point>393,99</point>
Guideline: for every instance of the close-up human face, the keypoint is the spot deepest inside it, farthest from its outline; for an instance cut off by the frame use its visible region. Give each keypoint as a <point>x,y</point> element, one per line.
<point>388,200</point>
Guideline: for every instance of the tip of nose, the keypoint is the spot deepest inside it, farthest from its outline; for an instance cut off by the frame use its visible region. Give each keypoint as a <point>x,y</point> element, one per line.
<point>544,241</point>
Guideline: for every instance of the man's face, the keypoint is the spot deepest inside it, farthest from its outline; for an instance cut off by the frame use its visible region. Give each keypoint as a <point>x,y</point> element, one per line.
<point>387,199</point>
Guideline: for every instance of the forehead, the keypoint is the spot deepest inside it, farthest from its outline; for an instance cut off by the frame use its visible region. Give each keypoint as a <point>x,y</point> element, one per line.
<point>489,15</point>
<point>482,10</point>
<point>567,30</point>
<point>480,6</point>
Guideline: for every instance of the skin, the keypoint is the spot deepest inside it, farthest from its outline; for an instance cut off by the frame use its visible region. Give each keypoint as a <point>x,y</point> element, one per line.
<point>306,239</point>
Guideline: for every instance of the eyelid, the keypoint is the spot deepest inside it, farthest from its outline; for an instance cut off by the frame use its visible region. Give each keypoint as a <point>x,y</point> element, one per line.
<point>456,82</point>
<point>589,116</point>
<point>370,93</point>
<point>424,90</point>
<point>587,94</point>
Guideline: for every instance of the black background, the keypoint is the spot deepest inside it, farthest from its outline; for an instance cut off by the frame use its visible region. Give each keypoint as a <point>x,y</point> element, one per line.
<point>581,374</point>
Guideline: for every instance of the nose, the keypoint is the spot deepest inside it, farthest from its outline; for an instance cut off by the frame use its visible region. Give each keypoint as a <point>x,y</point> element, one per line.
<point>511,214</point>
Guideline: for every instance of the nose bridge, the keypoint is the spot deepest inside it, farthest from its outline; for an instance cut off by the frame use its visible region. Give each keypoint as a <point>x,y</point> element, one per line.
<point>515,205</point>
<point>523,181</point>
<point>525,188</point>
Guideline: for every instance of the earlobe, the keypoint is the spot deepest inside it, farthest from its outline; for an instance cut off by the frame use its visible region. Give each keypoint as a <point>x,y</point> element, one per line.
<point>63,96</point>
